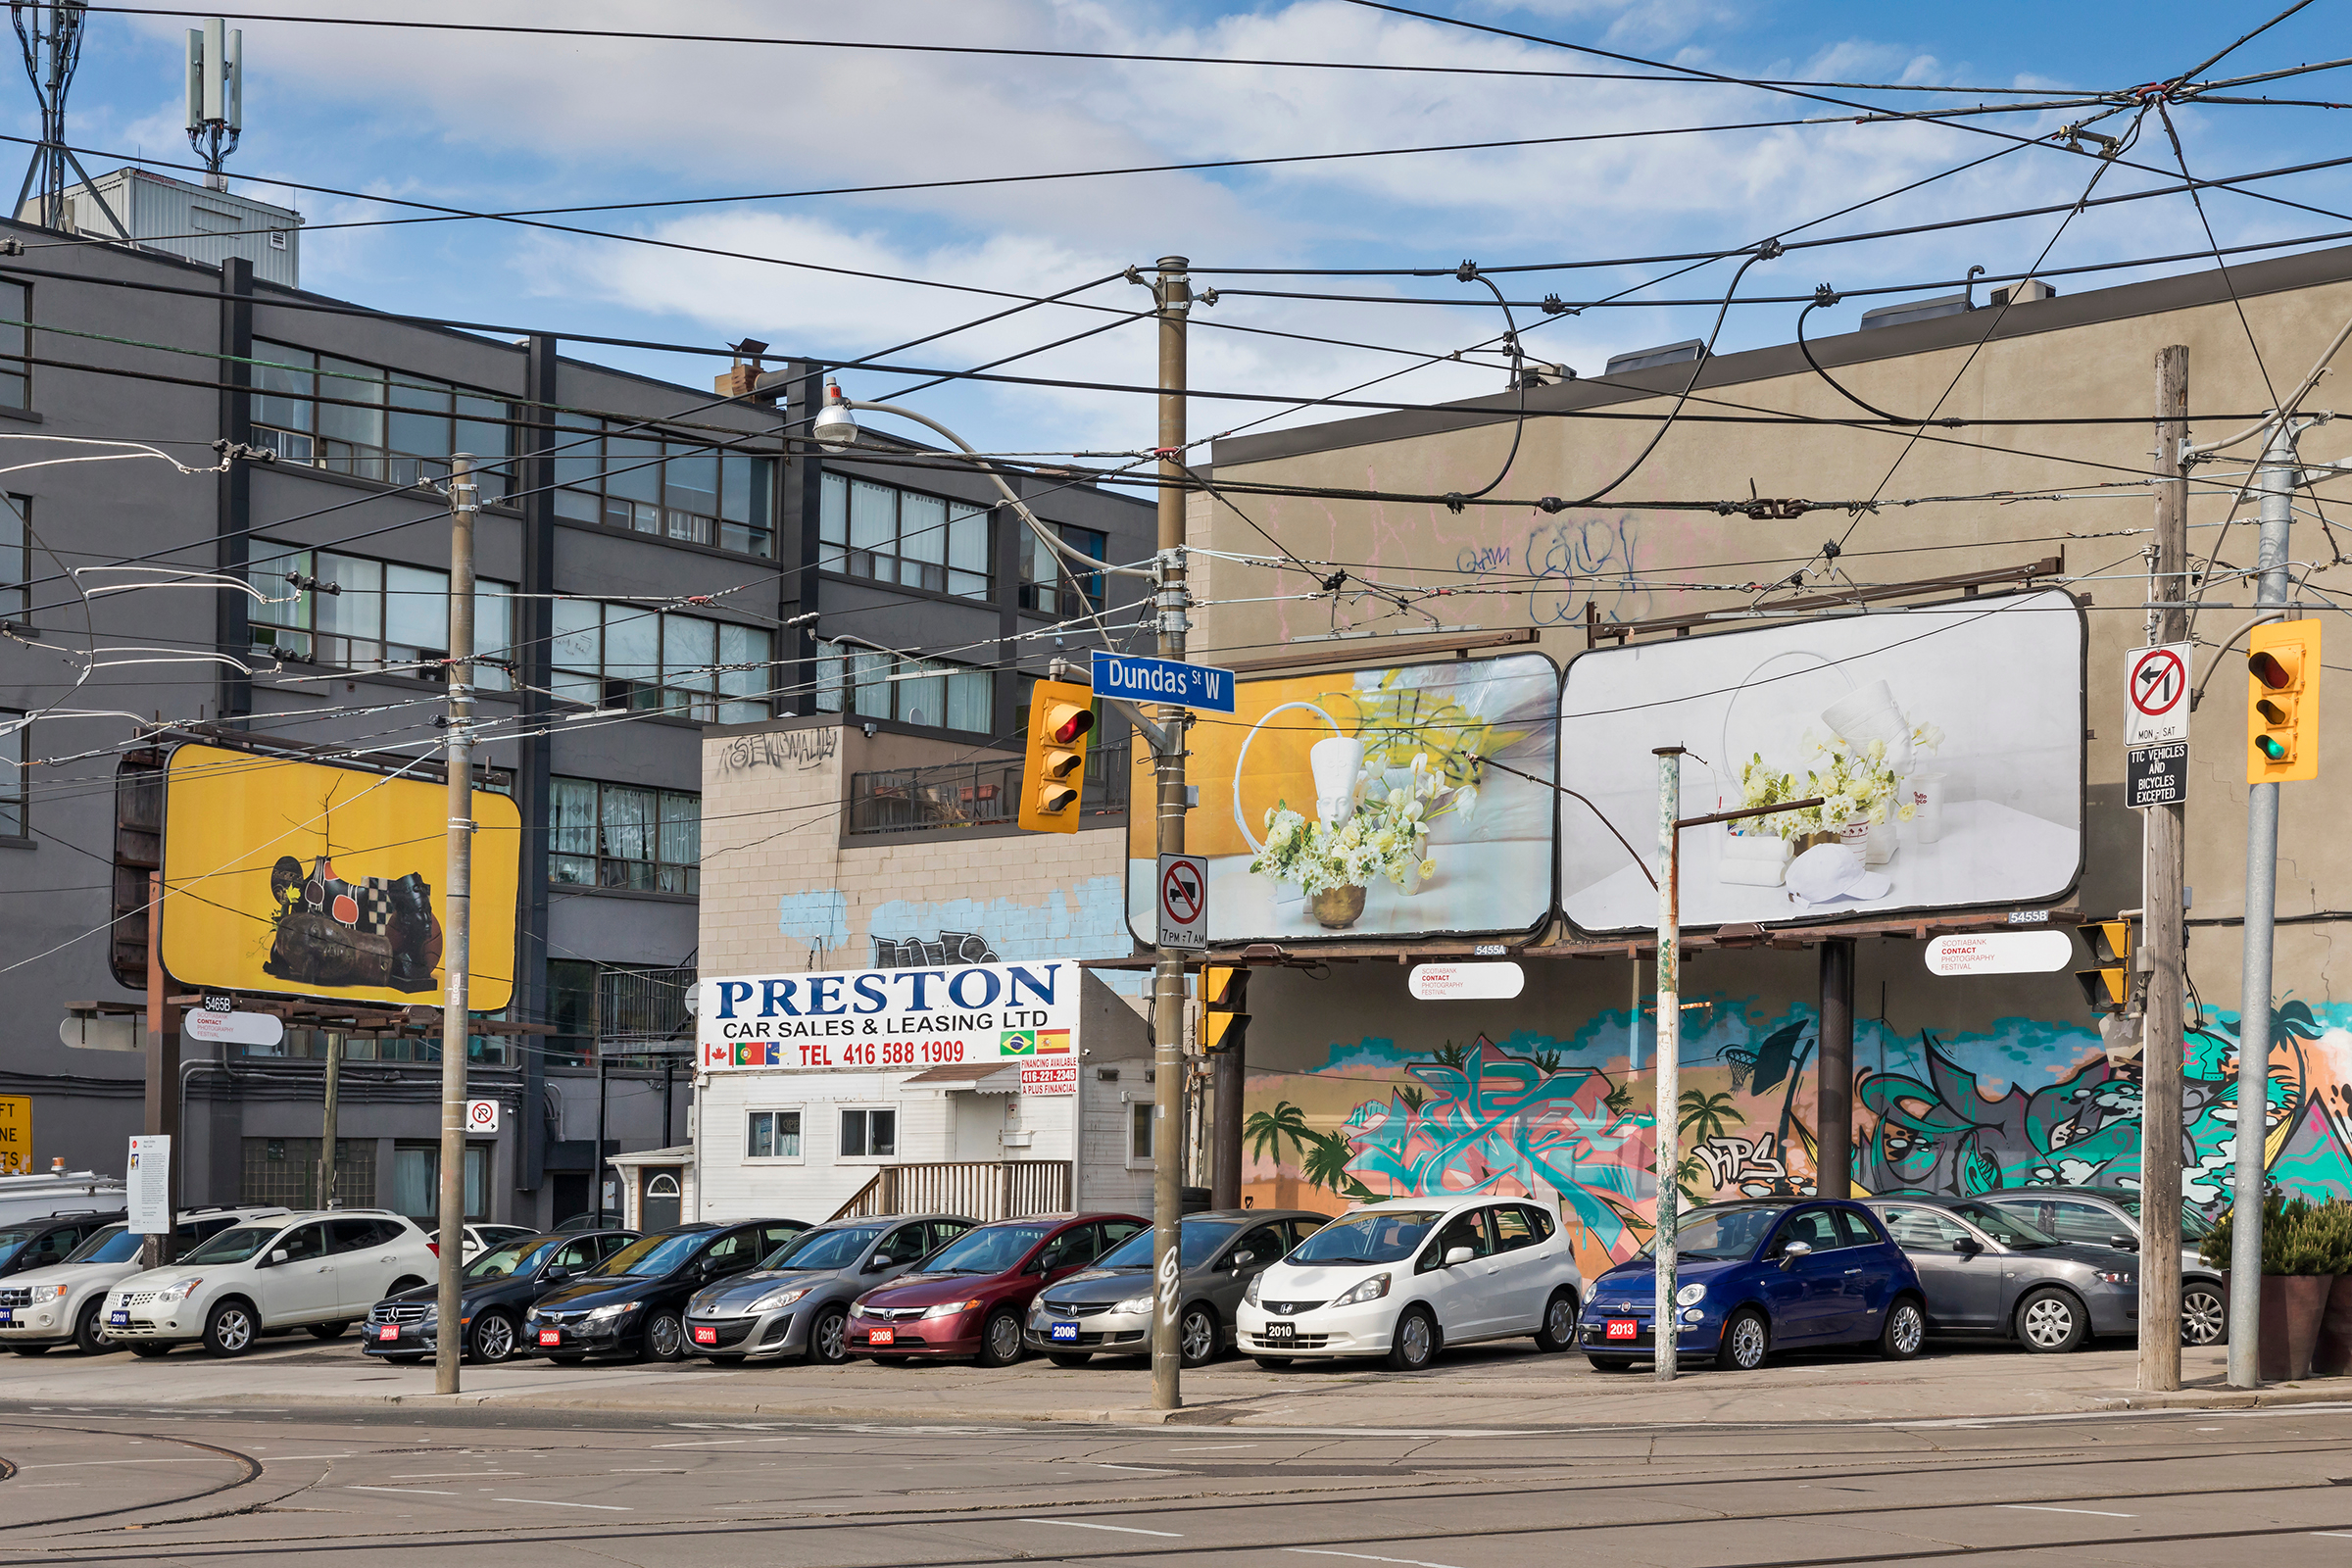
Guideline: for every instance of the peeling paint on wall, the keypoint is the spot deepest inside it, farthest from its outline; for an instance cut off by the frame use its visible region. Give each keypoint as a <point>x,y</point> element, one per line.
<point>818,916</point>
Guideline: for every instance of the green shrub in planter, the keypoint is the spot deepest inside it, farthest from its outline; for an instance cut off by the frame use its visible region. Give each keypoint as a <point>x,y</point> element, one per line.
<point>2297,1237</point>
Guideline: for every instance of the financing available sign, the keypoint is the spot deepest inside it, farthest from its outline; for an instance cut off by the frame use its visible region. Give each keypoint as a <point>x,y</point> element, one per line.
<point>1024,1013</point>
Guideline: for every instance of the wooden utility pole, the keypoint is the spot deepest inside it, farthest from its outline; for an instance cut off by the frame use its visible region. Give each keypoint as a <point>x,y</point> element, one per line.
<point>457,957</point>
<point>329,1124</point>
<point>2164,922</point>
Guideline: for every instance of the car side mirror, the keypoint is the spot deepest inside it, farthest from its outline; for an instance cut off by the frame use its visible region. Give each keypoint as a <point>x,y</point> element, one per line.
<point>1458,1255</point>
<point>1796,1250</point>
<point>876,1263</point>
<point>1244,1258</point>
<point>2122,1243</point>
<point>1969,1245</point>
<point>556,1274</point>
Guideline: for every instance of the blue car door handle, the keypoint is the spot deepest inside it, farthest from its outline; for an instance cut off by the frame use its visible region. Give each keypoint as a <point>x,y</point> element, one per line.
<point>1854,1271</point>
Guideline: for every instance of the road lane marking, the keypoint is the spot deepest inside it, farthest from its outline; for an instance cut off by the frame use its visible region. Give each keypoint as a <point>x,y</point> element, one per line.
<point>1124,1530</point>
<point>1204,1447</point>
<point>549,1502</point>
<point>1359,1557</point>
<point>408,1491</point>
<point>1141,1470</point>
<point>721,1443</point>
<point>2043,1507</point>
<point>2335,1535</point>
<point>458,1475</point>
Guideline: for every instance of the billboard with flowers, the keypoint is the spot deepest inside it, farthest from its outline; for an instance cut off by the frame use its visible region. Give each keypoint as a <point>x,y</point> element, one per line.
<point>1391,802</point>
<point>1945,740</point>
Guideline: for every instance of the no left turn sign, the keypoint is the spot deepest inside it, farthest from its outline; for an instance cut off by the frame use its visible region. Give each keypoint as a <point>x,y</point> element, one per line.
<point>1183,901</point>
<point>2156,686</point>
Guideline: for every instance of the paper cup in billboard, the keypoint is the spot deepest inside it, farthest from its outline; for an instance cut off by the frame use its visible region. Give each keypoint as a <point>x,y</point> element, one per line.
<point>1926,805</point>
<point>1835,871</point>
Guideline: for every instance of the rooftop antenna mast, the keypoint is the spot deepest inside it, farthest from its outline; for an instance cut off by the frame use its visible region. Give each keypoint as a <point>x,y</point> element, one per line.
<point>215,95</point>
<point>52,38</point>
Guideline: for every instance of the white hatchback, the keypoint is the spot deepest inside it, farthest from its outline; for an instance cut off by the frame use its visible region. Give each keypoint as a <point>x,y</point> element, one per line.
<point>321,1271</point>
<point>1405,1278</point>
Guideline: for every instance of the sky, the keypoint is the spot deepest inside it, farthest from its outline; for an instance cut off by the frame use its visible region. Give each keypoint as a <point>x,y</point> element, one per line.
<point>494,124</point>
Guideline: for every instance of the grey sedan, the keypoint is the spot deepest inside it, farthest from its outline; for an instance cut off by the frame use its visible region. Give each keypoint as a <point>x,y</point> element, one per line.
<point>1108,1307</point>
<point>1989,1272</point>
<point>2109,1217</point>
<point>794,1303</point>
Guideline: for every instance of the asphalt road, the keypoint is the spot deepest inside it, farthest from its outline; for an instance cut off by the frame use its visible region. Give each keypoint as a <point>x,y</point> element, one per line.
<point>118,1485</point>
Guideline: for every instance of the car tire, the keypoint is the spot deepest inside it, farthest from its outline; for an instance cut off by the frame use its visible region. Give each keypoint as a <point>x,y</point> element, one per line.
<point>1557,1332</point>
<point>1073,1358</point>
<point>404,1284</point>
<point>1414,1343</point>
<point>150,1348</point>
<point>30,1350</point>
<point>230,1327</point>
<point>1000,1339</point>
<point>829,1338</point>
<point>89,1336</point>
<point>1746,1341</point>
<point>2204,1314</point>
<point>568,1360</point>
<point>662,1339</point>
<point>1905,1330</point>
<point>1199,1335</point>
<point>2050,1321</point>
<point>329,1331</point>
<point>1610,1363</point>
<point>492,1338</point>
<point>1272,1363</point>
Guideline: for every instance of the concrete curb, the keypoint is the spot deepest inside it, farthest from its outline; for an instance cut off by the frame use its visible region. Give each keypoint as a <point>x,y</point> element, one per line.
<point>2231,1399</point>
<point>1191,1415</point>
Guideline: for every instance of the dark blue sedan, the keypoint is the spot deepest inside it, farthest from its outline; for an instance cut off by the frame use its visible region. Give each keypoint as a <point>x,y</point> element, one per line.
<point>1757,1277</point>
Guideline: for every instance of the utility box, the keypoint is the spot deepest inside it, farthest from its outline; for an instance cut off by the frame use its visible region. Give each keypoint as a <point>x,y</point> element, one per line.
<point>194,222</point>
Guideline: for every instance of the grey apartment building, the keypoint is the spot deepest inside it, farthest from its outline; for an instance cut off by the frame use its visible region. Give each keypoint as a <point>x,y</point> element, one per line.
<point>650,557</point>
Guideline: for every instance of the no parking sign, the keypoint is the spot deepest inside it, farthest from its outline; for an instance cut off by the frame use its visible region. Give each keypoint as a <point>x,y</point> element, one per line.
<point>481,1115</point>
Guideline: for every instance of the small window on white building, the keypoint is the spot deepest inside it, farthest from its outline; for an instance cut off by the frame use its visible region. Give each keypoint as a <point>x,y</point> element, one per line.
<point>1140,1115</point>
<point>772,1135</point>
<point>868,1132</point>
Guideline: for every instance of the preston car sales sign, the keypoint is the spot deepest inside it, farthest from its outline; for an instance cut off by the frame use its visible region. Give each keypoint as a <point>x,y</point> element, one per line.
<point>908,1019</point>
<point>1136,678</point>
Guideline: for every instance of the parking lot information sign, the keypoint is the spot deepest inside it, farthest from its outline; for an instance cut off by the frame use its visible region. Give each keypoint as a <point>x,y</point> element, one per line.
<point>2156,696</point>
<point>1183,901</point>
<point>148,1184</point>
<point>892,1019</point>
<point>16,1135</point>
<point>2156,775</point>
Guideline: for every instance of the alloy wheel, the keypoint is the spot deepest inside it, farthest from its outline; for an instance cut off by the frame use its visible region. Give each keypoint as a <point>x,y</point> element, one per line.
<point>1200,1337</point>
<point>1412,1335</point>
<point>1747,1341</point>
<point>2049,1322</point>
<point>232,1329</point>
<point>1005,1337</point>
<point>493,1338</point>
<point>1559,1320</point>
<point>1910,1328</point>
<point>2203,1319</point>
<point>832,1337</point>
<point>665,1336</point>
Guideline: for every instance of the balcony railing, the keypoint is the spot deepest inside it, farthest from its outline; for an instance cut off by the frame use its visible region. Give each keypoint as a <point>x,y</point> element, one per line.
<point>971,793</point>
<point>985,1188</point>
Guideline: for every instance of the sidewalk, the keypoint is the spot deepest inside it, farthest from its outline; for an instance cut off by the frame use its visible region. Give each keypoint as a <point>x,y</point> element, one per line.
<point>1509,1386</point>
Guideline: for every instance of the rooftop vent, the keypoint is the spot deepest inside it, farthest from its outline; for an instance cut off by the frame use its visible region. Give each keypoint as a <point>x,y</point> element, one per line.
<point>1645,359</point>
<point>2032,290</point>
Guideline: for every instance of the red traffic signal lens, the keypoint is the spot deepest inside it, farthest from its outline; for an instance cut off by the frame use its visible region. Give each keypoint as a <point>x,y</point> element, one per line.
<point>1065,725</point>
<point>2269,671</point>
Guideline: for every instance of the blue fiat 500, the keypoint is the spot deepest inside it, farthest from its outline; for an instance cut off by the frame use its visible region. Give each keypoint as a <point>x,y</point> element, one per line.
<point>1756,1277</point>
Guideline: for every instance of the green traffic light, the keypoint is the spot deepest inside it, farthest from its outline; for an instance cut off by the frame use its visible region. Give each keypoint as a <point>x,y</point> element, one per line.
<point>2270,748</point>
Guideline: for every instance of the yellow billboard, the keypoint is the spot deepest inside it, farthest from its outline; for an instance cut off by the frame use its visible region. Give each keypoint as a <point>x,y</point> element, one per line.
<point>311,880</point>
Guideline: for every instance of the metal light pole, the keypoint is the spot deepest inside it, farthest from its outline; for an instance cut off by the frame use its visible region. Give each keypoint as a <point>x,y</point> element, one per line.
<point>457,924</point>
<point>1669,1052</point>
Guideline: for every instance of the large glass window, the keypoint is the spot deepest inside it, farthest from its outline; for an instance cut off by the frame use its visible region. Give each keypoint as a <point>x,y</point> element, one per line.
<point>623,836</point>
<point>416,1181</point>
<point>316,410</point>
<point>353,613</point>
<point>625,655</point>
<point>914,691</point>
<point>13,791</point>
<point>1045,588</point>
<point>671,486</point>
<point>16,344</point>
<point>904,536</point>
<point>16,566</point>
<point>572,1009</point>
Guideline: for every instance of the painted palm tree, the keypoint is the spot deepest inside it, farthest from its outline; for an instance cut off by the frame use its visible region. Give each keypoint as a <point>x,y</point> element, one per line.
<point>1266,1130</point>
<point>1704,1116</point>
<point>1326,1165</point>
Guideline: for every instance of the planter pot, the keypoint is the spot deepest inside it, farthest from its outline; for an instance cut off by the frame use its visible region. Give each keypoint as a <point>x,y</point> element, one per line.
<point>2332,1357</point>
<point>2293,1305</point>
<point>1337,909</point>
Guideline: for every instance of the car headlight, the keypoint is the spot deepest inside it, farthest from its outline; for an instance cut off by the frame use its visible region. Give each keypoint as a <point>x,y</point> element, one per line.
<point>1371,1290</point>
<point>952,1308</point>
<point>1690,1295</point>
<point>858,1305</point>
<point>2115,1277</point>
<point>1134,1305</point>
<point>177,1292</point>
<point>775,1299</point>
<point>48,1293</point>
<point>605,1315</point>
<point>1250,1294</point>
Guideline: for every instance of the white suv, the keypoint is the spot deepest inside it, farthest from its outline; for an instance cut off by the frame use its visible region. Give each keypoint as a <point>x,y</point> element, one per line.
<point>1403,1278</point>
<point>65,1302</point>
<point>318,1270</point>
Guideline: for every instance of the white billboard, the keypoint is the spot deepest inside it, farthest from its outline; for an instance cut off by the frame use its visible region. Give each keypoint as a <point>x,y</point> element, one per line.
<point>1948,740</point>
<point>891,1019</point>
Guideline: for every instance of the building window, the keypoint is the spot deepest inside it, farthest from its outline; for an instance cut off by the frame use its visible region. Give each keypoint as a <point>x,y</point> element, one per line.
<point>373,615</point>
<point>670,487</point>
<point>316,410</point>
<point>773,1134</point>
<point>285,1171</point>
<point>868,1133</point>
<point>16,565</point>
<point>625,655</point>
<point>13,791</point>
<point>16,344</point>
<point>913,691</point>
<point>1139,1123</point>
<point>572,1009</point>
<point>623,836</point>
<point>416,1181</point>
<point>1045,588</point>
<point>904,536</point>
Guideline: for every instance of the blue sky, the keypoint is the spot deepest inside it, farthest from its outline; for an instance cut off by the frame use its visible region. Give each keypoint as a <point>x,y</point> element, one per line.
<point>490,124</point>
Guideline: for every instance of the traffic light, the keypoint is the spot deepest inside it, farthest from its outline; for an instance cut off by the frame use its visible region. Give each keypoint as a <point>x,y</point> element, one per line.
<point>1224,992</point>
<point>1062,715</point>
<point>2283,702</point>
<point>2107,988</point>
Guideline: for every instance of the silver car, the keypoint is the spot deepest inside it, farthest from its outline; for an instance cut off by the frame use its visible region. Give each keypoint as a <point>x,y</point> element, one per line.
<point>1985,1271</point>
<point>796,1303</point>
<point>1107,1308</point>
<point>2109,1217</point>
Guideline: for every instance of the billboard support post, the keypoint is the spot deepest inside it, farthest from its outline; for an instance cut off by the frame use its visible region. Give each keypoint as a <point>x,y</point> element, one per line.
<point>163,1069</point>
<point>1833,1074</point>
<point>1670,1024</point>
<point>449,1340</point>
<point>2163,868</point>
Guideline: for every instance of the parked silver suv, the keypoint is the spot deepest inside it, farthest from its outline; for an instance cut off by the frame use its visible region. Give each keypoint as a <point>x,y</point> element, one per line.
<point>63,1303</point>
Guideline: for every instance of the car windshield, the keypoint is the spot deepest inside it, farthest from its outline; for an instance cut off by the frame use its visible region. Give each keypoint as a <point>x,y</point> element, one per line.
<point>1720,1234</point>
<point>2194,1227</point>
<point>1201,1240</point>
<point>515,1258</point>
<point>650,1256</point>
<point>990,1249</point>
<point>822,1250</point>
<point>232,1246</point>
<point>1376,1236</point>
<point>2004,1227</point>
<point>113,1244</point>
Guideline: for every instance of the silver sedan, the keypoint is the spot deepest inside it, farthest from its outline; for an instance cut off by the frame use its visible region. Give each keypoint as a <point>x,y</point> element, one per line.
<point>1108,1308</point>
<point>1989,1272</point>
<point>796,1303</point>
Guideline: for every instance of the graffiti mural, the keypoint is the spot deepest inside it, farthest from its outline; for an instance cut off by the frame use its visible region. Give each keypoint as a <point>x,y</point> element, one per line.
<point>1570,1121</point>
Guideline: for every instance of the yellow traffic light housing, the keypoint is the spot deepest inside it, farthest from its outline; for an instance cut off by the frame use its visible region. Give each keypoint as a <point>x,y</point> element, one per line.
<point>2283,702</point>
<point>1062,715</point>
<point>2107,988</point>
<point>1224,992</point>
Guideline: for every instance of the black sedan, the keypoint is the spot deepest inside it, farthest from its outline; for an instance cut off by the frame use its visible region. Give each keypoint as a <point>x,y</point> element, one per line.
<point>498,1288</point>
<point>634,1302</point>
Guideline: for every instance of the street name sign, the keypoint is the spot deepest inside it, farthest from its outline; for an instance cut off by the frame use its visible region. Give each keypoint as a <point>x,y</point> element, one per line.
<point>2156,775</point>
<point>2156,696</point>
<point>1183,901</point>
<point>2002,953</point>
<point>1136,678</point>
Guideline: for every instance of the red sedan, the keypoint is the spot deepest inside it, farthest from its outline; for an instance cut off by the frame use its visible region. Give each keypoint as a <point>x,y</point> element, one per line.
<point>970,1297</point>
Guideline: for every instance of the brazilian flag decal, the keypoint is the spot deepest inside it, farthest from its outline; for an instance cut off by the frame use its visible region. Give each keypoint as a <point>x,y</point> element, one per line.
<point>1018,1043</point>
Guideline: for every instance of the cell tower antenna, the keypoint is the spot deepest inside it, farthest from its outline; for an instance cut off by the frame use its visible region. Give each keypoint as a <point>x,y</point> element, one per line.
<point>52,38</point>
<point>215,95</point>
